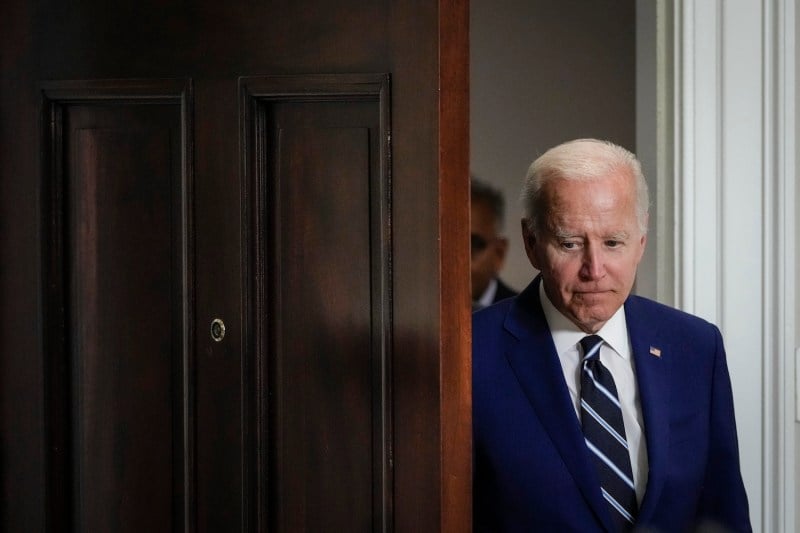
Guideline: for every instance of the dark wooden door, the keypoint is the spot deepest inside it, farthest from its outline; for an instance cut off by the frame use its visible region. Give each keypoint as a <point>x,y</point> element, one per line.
<point>234,284</point>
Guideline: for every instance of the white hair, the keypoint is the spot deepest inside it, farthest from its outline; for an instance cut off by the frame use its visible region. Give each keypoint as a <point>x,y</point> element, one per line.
<point>580,160</point>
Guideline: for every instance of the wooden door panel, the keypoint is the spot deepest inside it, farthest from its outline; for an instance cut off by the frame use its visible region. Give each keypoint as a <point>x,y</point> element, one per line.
<point>120,310</point>
<point>116,308</point>
<point>260,192</point>
<point>321,416</point>
<point>319,172</point>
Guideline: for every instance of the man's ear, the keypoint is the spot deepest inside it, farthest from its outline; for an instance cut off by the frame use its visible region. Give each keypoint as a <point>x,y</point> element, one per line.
<point>529,239</point>
<point>643,241</point>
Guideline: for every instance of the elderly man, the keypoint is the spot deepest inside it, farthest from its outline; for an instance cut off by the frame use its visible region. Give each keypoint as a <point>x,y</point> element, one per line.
<point>596,410</point>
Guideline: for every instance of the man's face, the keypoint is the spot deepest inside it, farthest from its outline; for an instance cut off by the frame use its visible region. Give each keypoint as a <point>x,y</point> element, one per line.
<point>488,249</point>
<point>590,247</point>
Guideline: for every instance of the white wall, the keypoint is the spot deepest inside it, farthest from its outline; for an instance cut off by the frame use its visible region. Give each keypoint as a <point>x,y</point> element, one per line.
<point>734,210</point>
<point>654,128</point>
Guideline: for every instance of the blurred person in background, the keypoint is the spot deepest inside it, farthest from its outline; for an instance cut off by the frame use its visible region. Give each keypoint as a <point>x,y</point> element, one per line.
<point>489,246</point>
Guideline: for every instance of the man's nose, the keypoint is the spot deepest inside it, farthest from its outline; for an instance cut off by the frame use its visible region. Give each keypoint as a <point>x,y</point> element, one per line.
<point>593,266</point>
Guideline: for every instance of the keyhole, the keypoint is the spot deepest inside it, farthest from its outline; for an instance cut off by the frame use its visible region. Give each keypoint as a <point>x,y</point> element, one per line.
<point>217,329</point>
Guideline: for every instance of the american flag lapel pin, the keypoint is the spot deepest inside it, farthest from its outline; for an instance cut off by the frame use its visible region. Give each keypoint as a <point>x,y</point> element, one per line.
<point>655,351</point>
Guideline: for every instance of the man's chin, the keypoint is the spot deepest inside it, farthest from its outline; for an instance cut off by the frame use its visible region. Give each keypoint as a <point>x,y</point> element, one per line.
<point>590,319</point>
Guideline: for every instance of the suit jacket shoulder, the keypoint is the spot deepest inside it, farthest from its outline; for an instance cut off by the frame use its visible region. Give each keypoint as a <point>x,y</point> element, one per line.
<point>658,323</point>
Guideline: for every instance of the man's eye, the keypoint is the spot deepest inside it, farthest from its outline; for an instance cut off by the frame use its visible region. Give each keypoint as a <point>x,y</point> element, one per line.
<point>613,243</point>
<point>569,245</point>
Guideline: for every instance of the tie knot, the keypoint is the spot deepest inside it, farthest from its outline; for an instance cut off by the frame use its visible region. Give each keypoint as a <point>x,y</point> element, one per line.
<point>591,347</point>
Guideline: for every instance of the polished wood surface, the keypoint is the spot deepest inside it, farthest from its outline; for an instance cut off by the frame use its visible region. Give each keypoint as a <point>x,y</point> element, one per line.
<point>318,180</point>
<point>144,196</point>
<point>115,304</point>
<point>456,318</point>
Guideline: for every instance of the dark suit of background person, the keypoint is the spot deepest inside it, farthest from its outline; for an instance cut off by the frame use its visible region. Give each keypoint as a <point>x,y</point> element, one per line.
<point>533,470</point>
<point>489,247</point>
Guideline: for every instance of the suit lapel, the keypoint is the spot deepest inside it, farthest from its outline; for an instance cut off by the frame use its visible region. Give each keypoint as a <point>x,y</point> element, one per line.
<point>542,379</point>
<point>651,354</point>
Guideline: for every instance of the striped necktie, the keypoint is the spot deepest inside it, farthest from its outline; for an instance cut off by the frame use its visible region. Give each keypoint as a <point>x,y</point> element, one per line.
<point>604,432</point>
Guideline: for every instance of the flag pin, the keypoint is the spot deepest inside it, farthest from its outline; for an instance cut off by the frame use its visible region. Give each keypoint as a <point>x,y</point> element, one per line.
<point>655,351</point>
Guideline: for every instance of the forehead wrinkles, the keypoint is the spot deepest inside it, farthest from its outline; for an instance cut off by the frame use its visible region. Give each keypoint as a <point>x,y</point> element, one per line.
<point>560,232</point>
<point>608,213</point>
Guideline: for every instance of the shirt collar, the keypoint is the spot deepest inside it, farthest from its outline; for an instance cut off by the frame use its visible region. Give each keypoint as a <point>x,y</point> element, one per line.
<point>487,297</point>
<point>566,335</point>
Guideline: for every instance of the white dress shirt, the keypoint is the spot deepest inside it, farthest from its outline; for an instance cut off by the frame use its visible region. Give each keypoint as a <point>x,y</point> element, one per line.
<point>487,297</point>
<point>615,354</point>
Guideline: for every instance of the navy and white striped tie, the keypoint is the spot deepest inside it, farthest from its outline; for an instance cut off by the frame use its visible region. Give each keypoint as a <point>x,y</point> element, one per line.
<point>601,418</point>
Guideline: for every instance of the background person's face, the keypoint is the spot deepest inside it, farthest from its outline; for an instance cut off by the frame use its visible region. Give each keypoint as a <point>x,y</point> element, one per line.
<point>488,249</point>
<point>590,248</point>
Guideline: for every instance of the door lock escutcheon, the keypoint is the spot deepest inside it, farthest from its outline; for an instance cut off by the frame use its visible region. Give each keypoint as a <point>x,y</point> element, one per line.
<point>217,329</point>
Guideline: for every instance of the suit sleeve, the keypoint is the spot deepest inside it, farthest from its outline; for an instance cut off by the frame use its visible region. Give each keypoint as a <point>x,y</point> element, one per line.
<point>724,501</point>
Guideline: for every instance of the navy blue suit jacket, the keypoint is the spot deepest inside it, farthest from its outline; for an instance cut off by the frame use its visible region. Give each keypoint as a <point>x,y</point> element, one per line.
<point>532,470</point>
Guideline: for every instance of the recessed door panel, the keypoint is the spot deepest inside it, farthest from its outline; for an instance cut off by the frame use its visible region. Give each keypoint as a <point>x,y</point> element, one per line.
<point>116,316</point>
<point>321,175</point>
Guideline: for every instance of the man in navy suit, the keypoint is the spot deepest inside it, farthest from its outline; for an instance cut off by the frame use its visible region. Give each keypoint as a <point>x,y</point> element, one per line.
<point>537,465</point>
